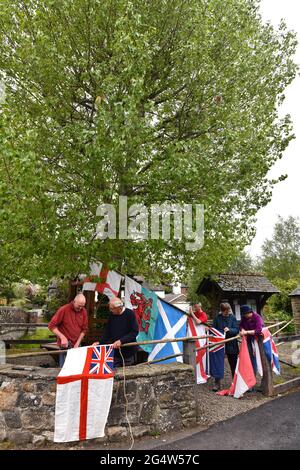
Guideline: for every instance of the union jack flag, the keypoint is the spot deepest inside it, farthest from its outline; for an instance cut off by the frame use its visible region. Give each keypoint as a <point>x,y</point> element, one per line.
<point>102,360</point>
<point>271,351</point>
<point>217,337</point>
<point>216,354</point>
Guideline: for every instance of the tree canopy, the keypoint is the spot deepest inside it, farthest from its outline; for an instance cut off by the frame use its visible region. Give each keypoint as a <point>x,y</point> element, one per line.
<point>281,254</point>
<point>161,100</point>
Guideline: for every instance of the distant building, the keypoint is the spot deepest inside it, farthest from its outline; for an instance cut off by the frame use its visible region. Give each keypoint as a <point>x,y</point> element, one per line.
<point>178,300</point>
<point>237,289</point>
<point>295,298</point>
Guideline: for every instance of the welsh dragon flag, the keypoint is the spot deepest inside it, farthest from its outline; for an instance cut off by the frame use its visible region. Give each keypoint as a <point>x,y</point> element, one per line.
<point>144,304</point>
<point>102,280</point>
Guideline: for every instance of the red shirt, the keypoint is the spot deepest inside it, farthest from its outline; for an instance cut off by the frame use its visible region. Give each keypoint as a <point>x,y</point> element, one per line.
<point>69,322</point>
<point>201,315</point>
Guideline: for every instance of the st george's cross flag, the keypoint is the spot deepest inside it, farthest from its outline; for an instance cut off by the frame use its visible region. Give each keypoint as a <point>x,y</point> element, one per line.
<point>143,302</point>
<point>170,323</point>
<point>83,393</point>
<point>201,355</point>
<point>216,353</point>
<point>102,280</point>
<point>244,377</point>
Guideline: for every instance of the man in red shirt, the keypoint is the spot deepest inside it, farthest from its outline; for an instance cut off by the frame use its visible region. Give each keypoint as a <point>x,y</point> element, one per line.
<point>198,314</point>
<point>70,324</point>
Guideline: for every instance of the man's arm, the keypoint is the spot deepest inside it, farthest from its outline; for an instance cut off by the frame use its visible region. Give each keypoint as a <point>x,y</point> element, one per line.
<point>63,340</point>
<point>79,339</point>
<point>56,320</point>
<point>83,332</point>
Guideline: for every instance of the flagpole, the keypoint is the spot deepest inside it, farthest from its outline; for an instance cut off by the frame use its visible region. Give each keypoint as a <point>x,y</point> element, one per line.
<point>218,343</point>
<point>288,323</point>
<point>164,358</point>
<point>140,343</point>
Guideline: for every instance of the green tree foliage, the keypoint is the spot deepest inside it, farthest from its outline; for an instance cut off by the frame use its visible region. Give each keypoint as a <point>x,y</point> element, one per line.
<point>161,100</point>
<point>281,254</point>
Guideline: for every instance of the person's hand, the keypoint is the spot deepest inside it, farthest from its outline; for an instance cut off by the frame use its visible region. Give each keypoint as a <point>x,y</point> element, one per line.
<point>64,342</point>
<point>117,344</point>
<point>226,329</point>
<point>96,343</point>
<point>243,332</point>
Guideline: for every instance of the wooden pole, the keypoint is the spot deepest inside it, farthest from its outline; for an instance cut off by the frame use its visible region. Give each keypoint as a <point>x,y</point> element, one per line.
<point>164,358</point>
<point>60,351</point>
<point>276,332</point>
<point>140,343</point>
<point>277,324</point>
<point>267,378</point>
<point>212,345</point>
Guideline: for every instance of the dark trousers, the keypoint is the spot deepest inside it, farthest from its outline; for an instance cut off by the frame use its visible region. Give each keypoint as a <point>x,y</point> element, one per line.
<point>129,361</point>
<point>250,341</point>
<point>232,359</point>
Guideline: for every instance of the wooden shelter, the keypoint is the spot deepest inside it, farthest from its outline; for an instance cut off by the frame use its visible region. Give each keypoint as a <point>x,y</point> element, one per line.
<point>237,289</point>
<point>295,298</point>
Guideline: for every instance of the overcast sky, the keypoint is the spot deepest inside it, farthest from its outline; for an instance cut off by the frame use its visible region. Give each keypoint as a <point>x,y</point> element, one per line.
<point>286,195</point>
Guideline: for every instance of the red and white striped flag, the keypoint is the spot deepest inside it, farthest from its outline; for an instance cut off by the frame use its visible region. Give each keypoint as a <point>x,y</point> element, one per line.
<point>201,356</point>
<point>108,282</point>
<point>244,377</point>
<point>83,393</point>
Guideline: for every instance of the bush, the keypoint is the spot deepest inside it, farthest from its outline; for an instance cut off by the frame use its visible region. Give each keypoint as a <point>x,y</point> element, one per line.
<point>60,298</point>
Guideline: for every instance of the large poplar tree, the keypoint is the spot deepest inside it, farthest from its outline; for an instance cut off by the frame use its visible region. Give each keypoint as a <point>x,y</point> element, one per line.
<point>161,100</point>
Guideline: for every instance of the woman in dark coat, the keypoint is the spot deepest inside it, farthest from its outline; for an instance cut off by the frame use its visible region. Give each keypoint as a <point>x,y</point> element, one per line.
<point>226,322</point>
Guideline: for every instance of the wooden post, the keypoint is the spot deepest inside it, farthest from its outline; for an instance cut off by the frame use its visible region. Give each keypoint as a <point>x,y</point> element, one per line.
<point>189,353</point>
<point>267,379</point>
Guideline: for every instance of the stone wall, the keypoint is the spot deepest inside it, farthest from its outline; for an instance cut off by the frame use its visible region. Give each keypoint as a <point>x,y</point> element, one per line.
<point>14,315</point>
<point>161,398</point>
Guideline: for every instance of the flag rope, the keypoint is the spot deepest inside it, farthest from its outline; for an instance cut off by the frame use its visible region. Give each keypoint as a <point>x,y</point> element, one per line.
<point>126,400</point>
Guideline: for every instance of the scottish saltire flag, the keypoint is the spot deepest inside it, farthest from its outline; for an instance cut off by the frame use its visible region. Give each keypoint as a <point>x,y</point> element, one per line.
<point>244,377</point>
<point>144,304</point>
<point>102,280</point>
<point>216,353</point>
<point>170,323</point>
<point>83,393</point>
<point>201,355</point>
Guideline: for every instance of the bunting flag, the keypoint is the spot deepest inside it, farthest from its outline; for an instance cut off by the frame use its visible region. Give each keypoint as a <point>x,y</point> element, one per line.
<point>83,393</point>
<point>216,353</point>
<point>170,323</point>
<point>201,356</point>
<point>244,377</point>
<point>144,304</point>
<point>102,280</point>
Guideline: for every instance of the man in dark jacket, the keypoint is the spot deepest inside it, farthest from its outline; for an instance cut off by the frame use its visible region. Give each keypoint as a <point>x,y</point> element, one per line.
<point>121,328</point>
<point>226,322</point>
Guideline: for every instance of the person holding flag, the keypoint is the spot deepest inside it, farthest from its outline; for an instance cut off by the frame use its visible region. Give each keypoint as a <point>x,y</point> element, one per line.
<point>198,315</point>
<point>251,325</point>
<point>226,322</point>
<point>121,328</point>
